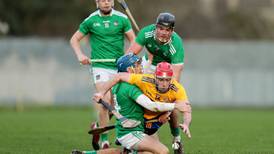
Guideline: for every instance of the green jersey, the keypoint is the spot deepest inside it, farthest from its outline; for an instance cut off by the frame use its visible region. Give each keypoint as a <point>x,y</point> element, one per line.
<point>125,95</point>
<point>172,51</point>
<point>106,36</point>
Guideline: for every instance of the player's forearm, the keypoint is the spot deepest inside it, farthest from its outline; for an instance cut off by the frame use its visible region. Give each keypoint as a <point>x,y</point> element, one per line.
<point>187,118</point>
<point>76,48</point>
<point>154,106</point>
<point>134,48</point>
<point>178,69</point>
<point>108,85</point>
<point>130,36</point>
<point>75,44</point>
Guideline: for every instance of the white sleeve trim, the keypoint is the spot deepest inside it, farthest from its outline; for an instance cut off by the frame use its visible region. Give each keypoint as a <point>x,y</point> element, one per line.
<point>178,64</point>
<point>129,30</point>
<point>154,106</point>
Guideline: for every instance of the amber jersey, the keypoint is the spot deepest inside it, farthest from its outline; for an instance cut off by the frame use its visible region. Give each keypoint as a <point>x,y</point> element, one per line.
<point>147,84</point>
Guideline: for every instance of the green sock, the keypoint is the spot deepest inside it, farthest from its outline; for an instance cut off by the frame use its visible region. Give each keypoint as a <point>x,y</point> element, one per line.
<point>89,152</point>
<point>175,131</point>
<point>104,137</point>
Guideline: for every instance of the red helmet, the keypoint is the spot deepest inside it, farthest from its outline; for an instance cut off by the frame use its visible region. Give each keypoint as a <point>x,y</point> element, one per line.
<point>164,70</point>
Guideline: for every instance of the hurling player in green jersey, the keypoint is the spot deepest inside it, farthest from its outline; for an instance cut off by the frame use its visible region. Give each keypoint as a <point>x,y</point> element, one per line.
<point>163,44</point>
<point>130,102</point>
<point>106,29</point>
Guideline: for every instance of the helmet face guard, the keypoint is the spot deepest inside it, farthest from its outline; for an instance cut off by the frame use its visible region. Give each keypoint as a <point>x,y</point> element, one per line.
<point>164,27</point>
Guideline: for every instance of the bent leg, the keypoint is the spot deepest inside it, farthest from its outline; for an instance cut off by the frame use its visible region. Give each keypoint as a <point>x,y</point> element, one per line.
<point>103,113</point>
<point>149,144</point>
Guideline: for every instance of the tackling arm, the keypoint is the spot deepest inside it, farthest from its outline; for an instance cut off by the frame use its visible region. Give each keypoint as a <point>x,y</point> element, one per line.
<point>108,85</point>
<point>134,48</point>
<point>130,36</point>
<point>144,101</point>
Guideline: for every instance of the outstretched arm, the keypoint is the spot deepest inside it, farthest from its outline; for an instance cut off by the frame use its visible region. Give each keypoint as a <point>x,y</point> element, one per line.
<point>144,101</point>
<point>130,36</point>
<point>187,119</point>
<point>134,48</point>
<point>108,85</point>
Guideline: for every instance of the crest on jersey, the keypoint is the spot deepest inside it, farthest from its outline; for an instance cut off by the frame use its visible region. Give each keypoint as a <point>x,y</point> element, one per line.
<point>115,23</point>
<point>106,24</point>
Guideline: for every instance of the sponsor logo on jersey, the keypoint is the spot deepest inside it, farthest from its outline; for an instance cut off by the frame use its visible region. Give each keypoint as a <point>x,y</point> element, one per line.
<point>96,24</point>
<point>173,87</point>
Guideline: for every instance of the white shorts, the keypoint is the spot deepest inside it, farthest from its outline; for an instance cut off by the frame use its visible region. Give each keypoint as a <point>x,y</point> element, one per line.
<point>102,74</point>
<point>148,68</point>
<point>131,140</point>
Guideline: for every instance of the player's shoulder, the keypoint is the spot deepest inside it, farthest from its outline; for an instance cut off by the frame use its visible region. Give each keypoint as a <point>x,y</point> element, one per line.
<point>119,14</point>
<point>148,30</point>
<point>122,86</point>
<point>175,86</point>
<point>176,37</point>
<point>176,44</point>
<point>93,15</point>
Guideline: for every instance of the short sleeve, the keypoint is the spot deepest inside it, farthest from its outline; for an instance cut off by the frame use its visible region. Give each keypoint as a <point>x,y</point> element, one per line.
<point>84,27</point>
<point>134,92</point>
<point>127,25</point>
<point>140,39</point>
<point>178,57</point>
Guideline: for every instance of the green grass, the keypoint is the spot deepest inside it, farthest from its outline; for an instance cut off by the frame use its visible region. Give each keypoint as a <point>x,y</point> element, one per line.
<point>59,130</point>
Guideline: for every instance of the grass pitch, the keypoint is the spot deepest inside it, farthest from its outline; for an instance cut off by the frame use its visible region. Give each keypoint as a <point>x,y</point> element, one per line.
<point>59,130</point>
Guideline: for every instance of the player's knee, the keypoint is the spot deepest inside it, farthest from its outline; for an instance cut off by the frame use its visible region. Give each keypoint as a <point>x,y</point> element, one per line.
<point>164,150</point>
